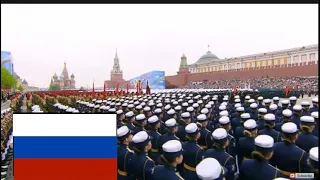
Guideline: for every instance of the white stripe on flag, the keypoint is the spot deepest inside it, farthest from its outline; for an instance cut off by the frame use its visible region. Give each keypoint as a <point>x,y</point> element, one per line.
<point>64,125</point>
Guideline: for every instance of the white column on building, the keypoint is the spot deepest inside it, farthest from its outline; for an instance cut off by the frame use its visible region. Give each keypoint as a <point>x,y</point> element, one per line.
<point>316,57</point>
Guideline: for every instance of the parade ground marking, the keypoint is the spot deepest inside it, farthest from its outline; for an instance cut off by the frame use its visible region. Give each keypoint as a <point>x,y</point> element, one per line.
<point>64,146</point>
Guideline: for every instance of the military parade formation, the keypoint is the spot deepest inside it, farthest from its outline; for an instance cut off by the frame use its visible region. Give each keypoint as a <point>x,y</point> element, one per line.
<point>206,134</point>
<point>186,134</point>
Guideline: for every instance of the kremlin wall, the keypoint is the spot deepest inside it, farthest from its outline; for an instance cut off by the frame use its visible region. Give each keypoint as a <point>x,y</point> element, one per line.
<point>299,61</point>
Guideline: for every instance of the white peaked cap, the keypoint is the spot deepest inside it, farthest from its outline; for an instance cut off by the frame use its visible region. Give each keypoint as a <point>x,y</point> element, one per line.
<point>240,109</point>
<point>276,98</point>
<point>167,107</point>
<point>185,104</point>
<point>119,111</point>
<point>177,108</point>
<point>112,110</point>
<point>260,98</point>
<point>245,115</point>
<point>250,124</point>
<point>292,98</point>
<point>219,133</point>
<point>191,128</point>
<point>297,107</point>
<point>267,101</point>
<point>201,117</point>
<point>221,107</point>
<point>251,101</point>
<point>185,115</point>
<point>223,113</point>
<point>208,106</point>
<point>289,127</point>
<point>204,111</point>
<point>159,105</point>
<point>237,100</point>
<point>153,119</point>
<point>305,103</point>
<point>172,146</point>
<point>315,114</point>
<point>308,119</point>
<point>123,130</point>
<point>269,117</point>
<point>247,97</point>
<point>158,110</point>
<point>195,105</point>
<point>253,105</point>
<point>273,107</point>
<point>280,178</point>
<point>264,141</point>
<point>170,122</point>
<point>189,109</point>
<point>141,136</point>
<point>237,105</point>
<point>138,107</point>
<point>129,114</point>
<point>146,108</point>
<point>208,168</point>
<point>224,120</point>
<point>237,97</point>
<point>285,101</point>
<point>315,100</point>
<point>262,110</point>
<point>287,113</point>
<point>171,111</point>
<point>313,154</point>
<point>140,117</point>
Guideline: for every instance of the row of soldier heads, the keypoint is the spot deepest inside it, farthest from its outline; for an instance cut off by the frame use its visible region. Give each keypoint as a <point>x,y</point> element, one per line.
<point>209,168</point>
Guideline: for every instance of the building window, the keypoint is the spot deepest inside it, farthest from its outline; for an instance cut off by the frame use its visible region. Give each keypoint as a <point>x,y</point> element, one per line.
<point>225,67</point>
<point>282,61</point>
<point>270,63</point>
<point>263,63</point>
<point>238,65</point>
<point>258,63</point>
<point>275,62</point>
<point>312,56</point>
<point>296,59</point>
<point>304,58</point>
<point>253,64</point>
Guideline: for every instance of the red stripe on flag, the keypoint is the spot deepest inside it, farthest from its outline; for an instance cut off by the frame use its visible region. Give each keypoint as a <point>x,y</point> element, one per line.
<point>70,169</point>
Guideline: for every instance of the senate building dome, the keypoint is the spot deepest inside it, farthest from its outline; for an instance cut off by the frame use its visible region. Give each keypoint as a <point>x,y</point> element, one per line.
<point>208,57</point>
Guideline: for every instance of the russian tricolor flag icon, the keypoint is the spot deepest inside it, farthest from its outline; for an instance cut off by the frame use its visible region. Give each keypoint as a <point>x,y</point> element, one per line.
<point>65,146</point>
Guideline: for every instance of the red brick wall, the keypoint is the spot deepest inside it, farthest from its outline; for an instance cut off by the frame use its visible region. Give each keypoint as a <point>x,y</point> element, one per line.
<point>278,71</point>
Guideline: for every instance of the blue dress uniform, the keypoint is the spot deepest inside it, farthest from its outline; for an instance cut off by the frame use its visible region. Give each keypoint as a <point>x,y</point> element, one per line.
<point>288,157</point>
<point>141,164</point>
<point>224,122</point>
<point>129,116</point>
<point>293,101</point>
<point>119,118</point>
<point>260,102</point>
<point>246,145</point>
<point>220,137</point>
<point>239,130</point>
<point>306,140</point>
<point>205,138</point>
<point>216,171</point>
<point>185,120</point>
<point>154,154</point>
<point>297,113</point>
<point>236,121</point>
<point>315,131</point>
<point>258,168</point>
<point>305,108</point>
<point>192,154</point>
<point>274,110</point>
<point>124,154</point>
<point>314,161</point>
<point>286,117</point>
<point>172,150</point>
<point>315,107</point>
<point>254,111</point>
<point>171,124</point>
<point>191,111</point>
<point>260,121</point>
<point>270,122</point>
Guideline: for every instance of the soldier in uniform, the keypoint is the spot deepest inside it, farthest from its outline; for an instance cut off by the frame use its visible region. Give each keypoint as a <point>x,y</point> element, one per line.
<point>236,121</point>
<point>130,119</point>
<point>193,153</point>
<point>124,153</point>
<point>147,111</point>
<point>142,164</point>
<point>286,117</point>
<point>192,114</point>
<point>260,102</point>
<point>172,127</point>
<point>305,108</point>
<point>141,123</point>
<point>239,130</point>
<point>293,101</point>
<point>233,112</point>
<point>258,167</point>
<point>172,156</point>
<point>220,142</point>
<point>269,123</point>
<point>285,104</point>
<point>215,172</point>
<point>185,120</point>
<point>246,145</point>
<point>211,124</point>
<point>254,111</point>
<point>260,121</point>
<point>224,122</point>
<point>306,140</point>
<point>154,124</point>
<point>205,140</point>
<point>297,113</point>
<point>120,118</point>
<point>315,107</point>
<point>274,110</point>
<point>315,115</point>
<point>313,162</point>
<point>288,157</point>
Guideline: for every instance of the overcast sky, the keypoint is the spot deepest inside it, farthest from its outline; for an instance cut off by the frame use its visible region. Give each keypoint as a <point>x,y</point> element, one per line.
<point>148,37</point>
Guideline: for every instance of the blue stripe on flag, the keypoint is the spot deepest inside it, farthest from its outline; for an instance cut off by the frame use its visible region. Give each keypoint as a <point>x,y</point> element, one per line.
<point>65,147</point>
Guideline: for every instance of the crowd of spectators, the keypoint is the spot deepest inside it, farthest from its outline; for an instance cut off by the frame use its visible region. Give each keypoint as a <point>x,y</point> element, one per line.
<point>304,83</point>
